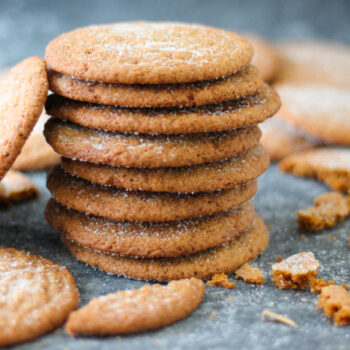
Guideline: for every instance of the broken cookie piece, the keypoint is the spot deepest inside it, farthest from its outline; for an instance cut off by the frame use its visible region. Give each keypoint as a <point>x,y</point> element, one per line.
<point>316,284</point>
<point>335,302</point>
<point>137,310</point>
<point>250,274</point>
<point>329,209</point>
<point>221,280</point>
<point>16,187</point>
<point>296,271</point>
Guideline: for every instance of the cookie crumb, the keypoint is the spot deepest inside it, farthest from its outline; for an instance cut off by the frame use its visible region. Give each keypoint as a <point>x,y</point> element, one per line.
<point>230,298</point>
<point>221,280</point>
<point>328,210</point>
<point>335,302</point>
<point>250,274</point>
<point>303,236</point>
<point>296,271</point>
<point>272,316</point>
<point>279,259</point>
<point>316,284</point>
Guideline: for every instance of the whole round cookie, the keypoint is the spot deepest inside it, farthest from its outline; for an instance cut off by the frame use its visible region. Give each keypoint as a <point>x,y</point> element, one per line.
<point>314,62</point>
<point>243,83</point>
<point>131,311</point>
<point>207,177</point>
<point>148,53</point>
<point>318,110</point>
<point>228,115</point>
<point>150,240</point>
<point>22,97</point>
<point>225,258</point>
<point>119,204</point>
<point>37,296</point>
<point>148,151</point>
<point>266,57</point>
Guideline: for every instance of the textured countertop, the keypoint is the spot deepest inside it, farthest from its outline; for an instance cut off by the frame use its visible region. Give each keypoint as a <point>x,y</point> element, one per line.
<point>219,323</point>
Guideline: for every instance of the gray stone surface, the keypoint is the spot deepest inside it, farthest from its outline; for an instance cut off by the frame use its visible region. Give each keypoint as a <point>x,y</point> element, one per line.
<point>236,323</point>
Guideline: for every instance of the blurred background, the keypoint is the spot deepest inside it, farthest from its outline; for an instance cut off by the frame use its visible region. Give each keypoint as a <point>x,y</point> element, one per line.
<point>26,26</point>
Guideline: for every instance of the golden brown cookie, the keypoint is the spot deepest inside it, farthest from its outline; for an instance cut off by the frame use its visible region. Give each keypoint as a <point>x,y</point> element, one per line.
<point>266,57</point>
<point>228,115</point>
<point>36,153</point>
<point>207,177</point>
<point>37,296</point>
<point>149,151</point>
<point>119,204</point>
<point>318,110</point>
<point>132,311</point>
<point>225,258</point>
<point>16,187</point>
<point>281,139</point>
<point>328,164</point>
<point>328,210</point>
<point>150,240</point>
<point>148,53</point>
<point>314,62</point>
<point>22,97</point>
<point>243,83</point>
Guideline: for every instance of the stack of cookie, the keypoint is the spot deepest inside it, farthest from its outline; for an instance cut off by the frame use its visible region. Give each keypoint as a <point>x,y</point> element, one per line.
<point>156,123</point>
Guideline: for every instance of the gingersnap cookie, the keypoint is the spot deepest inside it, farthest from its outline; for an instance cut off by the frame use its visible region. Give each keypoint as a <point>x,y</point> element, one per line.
<point>149,151</point>
<point>37,296</point>
<point>225,258</point>
<point>22,97</point>
<point>281,139</point>
<point>16,187</point>
<point>148,53</point>
<point>119,204</point>
<point>207,177</point>
<point>228,115</point>
<point>150,240</point>
<point>320,111</point>
<point>36,153</point>
<point>328,164</point>
<point>314,62</point>
<point>137,310</point>
<point>240,84</point>
<point>266,57</point>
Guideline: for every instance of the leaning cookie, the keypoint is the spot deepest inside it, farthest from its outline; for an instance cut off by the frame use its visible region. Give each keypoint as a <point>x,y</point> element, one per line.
<point>131,311</point>
<point>328,164</point>
<point>225,258</point>
<point>22,96</point>
<point>119,204</point>
<point>37,296</point>
<point>150,240</point>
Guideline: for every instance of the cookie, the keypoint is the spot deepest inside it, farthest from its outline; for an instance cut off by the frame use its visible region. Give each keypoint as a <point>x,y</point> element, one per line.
<point>137,310</point>
<point>224,174</point>
<point>150,240</point>
<point>119,204</point>
<point>228,115</point>
<point>328,210</point>
<point>148,53</point>
<point>37,296</point>
<point>149,151</point>
<point>243,83</point>
<point>16,187</point>
<point>320,111</point>
<point>281,139</point>
<point>266,57</point>
<point>328,164</point>
<point>22,97</point>
<point>295,272</point>
<point>335,302</point>
<point>225,258</point>
<point>314,62</point>
<point>36,153</point>
<point>250,274</point>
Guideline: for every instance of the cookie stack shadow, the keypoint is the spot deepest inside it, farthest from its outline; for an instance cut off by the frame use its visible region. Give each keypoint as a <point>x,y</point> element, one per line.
<point>155,180</point>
